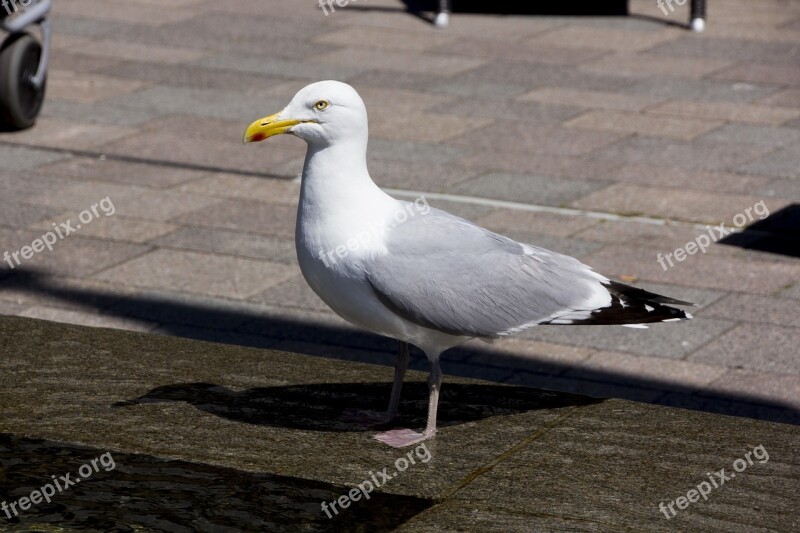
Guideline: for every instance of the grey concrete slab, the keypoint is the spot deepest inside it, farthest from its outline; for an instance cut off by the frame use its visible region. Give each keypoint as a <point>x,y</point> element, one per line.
<point>183,412</point>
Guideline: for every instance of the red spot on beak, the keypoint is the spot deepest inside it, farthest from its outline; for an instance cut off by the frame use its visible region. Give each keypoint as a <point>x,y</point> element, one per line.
<point>258,137</point>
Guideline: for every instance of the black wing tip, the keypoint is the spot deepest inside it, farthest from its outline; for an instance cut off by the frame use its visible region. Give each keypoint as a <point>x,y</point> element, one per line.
<point>635,293</point>
<point>632,306</point>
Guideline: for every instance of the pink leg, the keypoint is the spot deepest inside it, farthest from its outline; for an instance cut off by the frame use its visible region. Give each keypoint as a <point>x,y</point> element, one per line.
<point>399,438</point>
<point>375,417</point>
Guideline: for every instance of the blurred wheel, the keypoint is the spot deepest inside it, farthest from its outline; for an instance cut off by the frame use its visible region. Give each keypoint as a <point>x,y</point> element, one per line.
<point>20,101</point>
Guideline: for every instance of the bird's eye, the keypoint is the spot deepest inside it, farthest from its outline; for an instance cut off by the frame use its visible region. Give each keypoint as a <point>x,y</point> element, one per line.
<point>322,105</point>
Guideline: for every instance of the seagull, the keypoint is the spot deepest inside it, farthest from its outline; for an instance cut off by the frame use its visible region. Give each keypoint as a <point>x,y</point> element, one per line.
<point>420,275</point>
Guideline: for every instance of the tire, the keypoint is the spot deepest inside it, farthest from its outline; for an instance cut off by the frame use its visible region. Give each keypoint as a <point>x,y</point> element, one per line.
<point>20,101</point>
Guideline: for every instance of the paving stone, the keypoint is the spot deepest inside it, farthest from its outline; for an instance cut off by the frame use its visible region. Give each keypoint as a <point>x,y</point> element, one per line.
<point>394,150</point>
<point>68,134</point>
<point>132,201</point>
<point>528,189</point>
<point>746,133</point>
<point>788,189</point>
<point>294,292</point>
<point>730,49</point>
<point>737,112</point>
<point>193,76</point>
<point>672,374</point>
<point>761,74</point>
<point>553,224</point>
<point>250,245</point>
<point>282,191</point>
<point>204,155</point>
<point>138,52</point>
<point>386,78</point>
<point>703,271</point>
<point>115,171</point>
<point>73,256</point>
<point>726,182</point>
<point>645,65</point>
<point>624,122</point>
<point>418,176</point>
<point>66,60</point>
<point>265,65</point>
<point>480,89</point>
<point>422,126</point>
<point>573,167</point>
<point>88,87</point>
<point>97,113</point>
<point>674,341</point>
<point>469,211</point>
<point>22,158</point>
<point>782,163</point>
<point>597,99</point>
<point>11,309</point>
<point>532,51</point>
<point>386,38</point>
<point>284,37</point>
<point>198,273</point>
<point>249,216</point>
<point>522,137</point>
<point>562,245</point>
<point>202,102</point>
<point>723,94</point>
<point>695,155</point>
<point>787,98</point>
<point>761,347</point>
<point>667,237</point>
<point>697,206</point>
<point>116,229</point>
<point>605,38</point>
<point>759,309</point>
<point>533,75</point>
<point>531,112</point>
<point>16,215</point>
<point>130,13</point>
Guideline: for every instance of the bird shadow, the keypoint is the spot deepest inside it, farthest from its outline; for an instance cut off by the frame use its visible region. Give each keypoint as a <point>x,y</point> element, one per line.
<point>319,406</point>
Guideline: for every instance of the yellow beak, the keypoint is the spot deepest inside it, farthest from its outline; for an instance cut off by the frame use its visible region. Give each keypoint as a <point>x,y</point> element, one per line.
<point>266,127</point>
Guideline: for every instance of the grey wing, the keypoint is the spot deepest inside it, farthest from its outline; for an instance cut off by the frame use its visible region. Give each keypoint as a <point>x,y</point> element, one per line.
<point>447,274</point>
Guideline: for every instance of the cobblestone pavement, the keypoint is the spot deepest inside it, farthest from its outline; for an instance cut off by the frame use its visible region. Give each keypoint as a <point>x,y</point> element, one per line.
<point>612,139</point>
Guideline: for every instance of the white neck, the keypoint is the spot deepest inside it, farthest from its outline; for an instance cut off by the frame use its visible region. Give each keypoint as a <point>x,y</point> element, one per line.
<point>337,196</point>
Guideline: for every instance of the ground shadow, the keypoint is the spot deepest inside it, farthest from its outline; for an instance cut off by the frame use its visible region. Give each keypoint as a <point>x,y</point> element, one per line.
<point>318,406</point>
<point>514,7</point>
<point>243,325</point>
<point>145,493</point>
<point>779,233</point>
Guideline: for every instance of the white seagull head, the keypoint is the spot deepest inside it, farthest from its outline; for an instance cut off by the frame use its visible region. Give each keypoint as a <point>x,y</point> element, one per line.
<point>322,114</point>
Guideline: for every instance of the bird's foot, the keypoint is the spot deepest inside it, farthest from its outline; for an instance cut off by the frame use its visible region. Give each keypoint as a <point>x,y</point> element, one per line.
<point>399,438</point>
<point>369,418</point>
